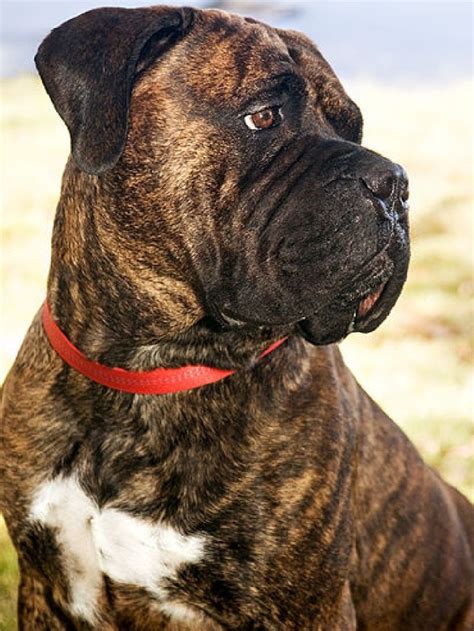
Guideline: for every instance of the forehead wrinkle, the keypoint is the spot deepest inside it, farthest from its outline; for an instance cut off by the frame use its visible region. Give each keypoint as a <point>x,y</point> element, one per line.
<point>233,57</point>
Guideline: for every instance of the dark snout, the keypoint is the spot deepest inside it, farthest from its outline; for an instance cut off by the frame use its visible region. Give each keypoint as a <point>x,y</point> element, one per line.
<point>371,279</point>
<point>386,184</point>
<point>325,242</point>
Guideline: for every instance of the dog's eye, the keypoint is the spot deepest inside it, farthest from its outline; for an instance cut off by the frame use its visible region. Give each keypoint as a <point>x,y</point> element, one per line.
<point>264,119</point>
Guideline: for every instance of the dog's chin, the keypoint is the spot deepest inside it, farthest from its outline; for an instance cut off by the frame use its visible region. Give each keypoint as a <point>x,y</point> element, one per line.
<point>323,328</point>
<point>361,313</point>
<point>364,315</point>
<point>360,308</point>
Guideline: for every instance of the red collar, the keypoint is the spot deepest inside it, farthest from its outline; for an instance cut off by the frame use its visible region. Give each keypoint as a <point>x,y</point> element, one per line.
<point>158,381</point>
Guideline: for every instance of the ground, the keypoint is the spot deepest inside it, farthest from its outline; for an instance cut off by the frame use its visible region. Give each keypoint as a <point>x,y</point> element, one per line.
<point>417,365</point>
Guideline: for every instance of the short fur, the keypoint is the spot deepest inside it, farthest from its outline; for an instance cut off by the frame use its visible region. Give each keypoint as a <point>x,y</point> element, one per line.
<point>181,236</point>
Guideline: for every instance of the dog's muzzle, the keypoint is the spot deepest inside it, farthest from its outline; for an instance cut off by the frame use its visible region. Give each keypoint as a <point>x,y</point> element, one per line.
<point>327,246</point>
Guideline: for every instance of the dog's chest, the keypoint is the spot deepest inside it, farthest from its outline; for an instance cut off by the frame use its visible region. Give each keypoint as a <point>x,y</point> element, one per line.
<point>106,541</point>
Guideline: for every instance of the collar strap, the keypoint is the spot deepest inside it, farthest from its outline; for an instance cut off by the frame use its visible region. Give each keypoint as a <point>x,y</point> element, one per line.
<point>157,381</point>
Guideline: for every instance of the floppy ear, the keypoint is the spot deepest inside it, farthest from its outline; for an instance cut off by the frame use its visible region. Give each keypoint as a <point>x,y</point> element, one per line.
<point>88,66</point>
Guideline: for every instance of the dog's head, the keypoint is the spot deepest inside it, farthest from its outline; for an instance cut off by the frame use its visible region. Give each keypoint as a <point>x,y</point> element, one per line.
<point>230,158</point>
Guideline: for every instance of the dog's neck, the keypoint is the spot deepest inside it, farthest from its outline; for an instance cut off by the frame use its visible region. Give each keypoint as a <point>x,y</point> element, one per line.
<point>115,322</point>
<point>111,324</point>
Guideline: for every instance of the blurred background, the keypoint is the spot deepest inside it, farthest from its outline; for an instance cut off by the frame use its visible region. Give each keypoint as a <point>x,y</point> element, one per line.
<point>409,67</point>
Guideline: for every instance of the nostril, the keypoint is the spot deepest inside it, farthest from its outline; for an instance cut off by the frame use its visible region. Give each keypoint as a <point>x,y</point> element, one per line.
<point>388,184</point>
<point>403,192</point>
<point>380,185</point>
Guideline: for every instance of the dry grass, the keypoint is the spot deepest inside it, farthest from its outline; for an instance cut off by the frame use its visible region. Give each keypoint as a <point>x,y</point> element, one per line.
<point>417,365</point>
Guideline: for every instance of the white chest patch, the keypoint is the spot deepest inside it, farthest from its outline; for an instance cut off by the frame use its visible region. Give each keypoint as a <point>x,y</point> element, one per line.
<point>108,541</point>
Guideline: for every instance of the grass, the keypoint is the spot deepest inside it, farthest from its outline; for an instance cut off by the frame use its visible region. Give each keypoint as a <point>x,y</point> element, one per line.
<point>417,365</point>
<point>8,580</point>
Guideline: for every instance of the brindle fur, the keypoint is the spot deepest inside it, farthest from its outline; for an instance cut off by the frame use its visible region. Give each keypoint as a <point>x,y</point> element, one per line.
<point>318,511</point>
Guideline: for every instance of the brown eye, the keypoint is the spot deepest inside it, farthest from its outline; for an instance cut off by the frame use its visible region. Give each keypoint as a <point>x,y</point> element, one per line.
<point>264,119</point>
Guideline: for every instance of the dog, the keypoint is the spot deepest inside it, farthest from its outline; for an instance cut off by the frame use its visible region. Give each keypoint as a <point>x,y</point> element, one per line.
<point>182,444</point>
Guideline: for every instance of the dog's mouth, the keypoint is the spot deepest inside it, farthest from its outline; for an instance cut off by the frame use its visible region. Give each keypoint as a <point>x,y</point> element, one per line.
<point>360,305</point>
<point>367,305</point>
<point>367,310</point>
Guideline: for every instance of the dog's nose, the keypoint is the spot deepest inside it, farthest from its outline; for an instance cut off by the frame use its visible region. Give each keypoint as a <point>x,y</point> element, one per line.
<point>389,186</point>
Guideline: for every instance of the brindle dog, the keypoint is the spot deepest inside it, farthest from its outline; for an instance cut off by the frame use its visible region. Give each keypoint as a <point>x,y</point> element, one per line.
<point>218,198</point>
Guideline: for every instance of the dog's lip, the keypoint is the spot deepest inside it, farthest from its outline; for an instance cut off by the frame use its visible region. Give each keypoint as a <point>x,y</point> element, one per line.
<point>368,303</point>
<point>368,308</point>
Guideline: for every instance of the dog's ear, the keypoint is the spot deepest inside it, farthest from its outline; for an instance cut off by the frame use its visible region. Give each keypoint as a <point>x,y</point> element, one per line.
<point>88,66</point>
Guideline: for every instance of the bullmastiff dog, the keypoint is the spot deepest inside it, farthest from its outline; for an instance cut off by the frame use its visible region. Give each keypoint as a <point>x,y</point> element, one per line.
<point>183,447</point>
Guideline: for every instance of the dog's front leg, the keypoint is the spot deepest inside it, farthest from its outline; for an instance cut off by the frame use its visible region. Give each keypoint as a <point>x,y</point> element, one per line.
<point>36,608</point>
<point>347,621</point>
<point>345,618</point>
<point>39,607</point>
